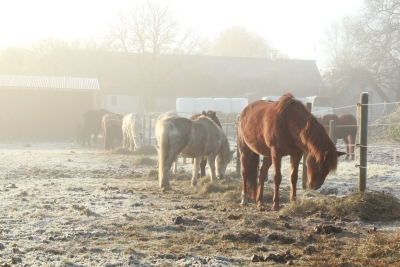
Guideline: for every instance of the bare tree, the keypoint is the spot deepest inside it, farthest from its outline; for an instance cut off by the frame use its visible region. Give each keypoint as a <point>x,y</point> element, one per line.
<point>237,41</point>
<point>369,40</point>
<point>146,32</point>
<point>14,60</point>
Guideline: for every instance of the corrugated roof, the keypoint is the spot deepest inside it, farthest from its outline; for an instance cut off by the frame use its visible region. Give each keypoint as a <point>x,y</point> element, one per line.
<point>66,83</point>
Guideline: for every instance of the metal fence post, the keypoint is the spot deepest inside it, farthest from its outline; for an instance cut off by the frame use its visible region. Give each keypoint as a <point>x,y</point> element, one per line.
<point>304,170</point>
<point>363,112</point>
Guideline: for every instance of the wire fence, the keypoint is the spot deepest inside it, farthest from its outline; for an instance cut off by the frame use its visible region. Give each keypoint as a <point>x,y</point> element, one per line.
<point>383,142</point>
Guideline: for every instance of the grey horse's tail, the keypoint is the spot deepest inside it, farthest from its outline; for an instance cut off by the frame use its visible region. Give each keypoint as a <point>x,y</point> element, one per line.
<point>163,151</point>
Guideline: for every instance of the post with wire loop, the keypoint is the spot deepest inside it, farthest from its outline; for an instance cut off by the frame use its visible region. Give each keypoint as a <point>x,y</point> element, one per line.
<point>363,113</point>
<point>304,172</point>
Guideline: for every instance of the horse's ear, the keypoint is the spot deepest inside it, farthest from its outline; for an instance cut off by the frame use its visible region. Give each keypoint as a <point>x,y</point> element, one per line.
<point>214,114</point>
<point>204,113</point>
<point>339,153</point>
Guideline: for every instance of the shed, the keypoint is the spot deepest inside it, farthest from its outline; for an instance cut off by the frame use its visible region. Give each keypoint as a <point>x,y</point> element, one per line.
<point>38,107</point>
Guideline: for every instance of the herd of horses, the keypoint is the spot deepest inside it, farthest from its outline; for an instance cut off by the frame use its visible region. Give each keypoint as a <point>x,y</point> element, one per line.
<point>265,128</point>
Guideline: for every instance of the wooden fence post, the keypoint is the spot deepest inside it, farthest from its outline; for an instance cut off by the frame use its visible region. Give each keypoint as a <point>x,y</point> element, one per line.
<point>238,164</point>
<point>332,130</point>
<point>144,128</point>
<point>149,129</point>
<point>304,170</point>
<point>363,113</point>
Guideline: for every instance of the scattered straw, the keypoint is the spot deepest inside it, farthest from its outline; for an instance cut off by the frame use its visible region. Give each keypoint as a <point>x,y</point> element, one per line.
<point>367,206</point>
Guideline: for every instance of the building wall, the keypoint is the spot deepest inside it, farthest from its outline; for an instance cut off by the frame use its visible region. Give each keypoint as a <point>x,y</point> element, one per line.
<point>41,114</point>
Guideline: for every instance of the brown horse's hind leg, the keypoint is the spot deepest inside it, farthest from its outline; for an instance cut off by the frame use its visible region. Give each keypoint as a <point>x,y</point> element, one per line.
<point>294,174</point>
<point>250,166</point>
<point>261,179</point>
<point>276,161</point>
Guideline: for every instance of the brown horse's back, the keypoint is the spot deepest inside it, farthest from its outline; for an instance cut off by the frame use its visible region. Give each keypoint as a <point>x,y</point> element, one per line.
<point>266,124</point>
<point>350,123</point>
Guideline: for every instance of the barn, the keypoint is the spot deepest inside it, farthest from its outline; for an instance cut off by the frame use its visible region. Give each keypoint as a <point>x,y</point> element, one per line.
<point>37,107</point>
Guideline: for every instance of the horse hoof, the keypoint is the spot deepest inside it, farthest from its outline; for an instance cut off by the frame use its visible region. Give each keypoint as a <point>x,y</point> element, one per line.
<point>194,183</point>
<point>244,204</point>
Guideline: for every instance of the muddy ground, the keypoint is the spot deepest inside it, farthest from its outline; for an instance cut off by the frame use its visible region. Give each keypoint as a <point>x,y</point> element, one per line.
<point>67,205</point>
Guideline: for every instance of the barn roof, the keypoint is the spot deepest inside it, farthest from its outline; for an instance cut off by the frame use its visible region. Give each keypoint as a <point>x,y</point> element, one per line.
<point>42,82</point>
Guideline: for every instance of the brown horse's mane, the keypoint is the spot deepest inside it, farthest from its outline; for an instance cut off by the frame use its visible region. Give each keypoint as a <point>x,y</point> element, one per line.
<point>313,133</point>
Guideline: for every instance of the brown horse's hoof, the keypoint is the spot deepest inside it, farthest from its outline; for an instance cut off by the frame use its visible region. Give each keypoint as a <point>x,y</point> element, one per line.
<point>275,208</point>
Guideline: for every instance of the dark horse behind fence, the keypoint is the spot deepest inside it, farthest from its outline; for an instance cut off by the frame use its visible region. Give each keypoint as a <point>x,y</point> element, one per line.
<point>345,128</point>
<point>111,125</point>
<point>277,129</point>
<point>212,115</point>
<point>91,124</point>
<point>191,139</point>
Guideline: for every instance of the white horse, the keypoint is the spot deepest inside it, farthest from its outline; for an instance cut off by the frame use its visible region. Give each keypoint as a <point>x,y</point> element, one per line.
<point>132,129</point>
<point>191,139</point>
<point>163,116</point>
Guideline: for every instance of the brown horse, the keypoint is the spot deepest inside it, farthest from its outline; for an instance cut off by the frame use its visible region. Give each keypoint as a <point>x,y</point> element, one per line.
<point>212,115</point>
<point>191,139</point>
<point>277,129</point>
<point>91,124</point>
<point>345,128</point>
<point>111,125</point>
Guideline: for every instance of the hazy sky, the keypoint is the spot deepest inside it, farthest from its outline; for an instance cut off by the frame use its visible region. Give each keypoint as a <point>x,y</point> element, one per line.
<point>294,26</point>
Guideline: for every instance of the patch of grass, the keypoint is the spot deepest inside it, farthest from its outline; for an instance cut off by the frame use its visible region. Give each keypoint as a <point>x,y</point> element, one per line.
<point>122,151</point>
<point>382,245</point>
<point>146,150</point>
<point>367,206</point>
<point>22,194</point>
<point>78,207</point>
<point>88,212</point>
<point>144,161</point>
<point>152,174</point>
<point>227,189</point>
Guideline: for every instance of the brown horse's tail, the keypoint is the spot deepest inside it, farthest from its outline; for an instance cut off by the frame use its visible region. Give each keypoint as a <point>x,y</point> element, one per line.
<point>163,150</point>
<point>252,175</point>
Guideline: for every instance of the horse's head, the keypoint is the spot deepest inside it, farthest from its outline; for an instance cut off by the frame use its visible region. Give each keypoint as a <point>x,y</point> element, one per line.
<point>222,161</point>
<point>318,170</point>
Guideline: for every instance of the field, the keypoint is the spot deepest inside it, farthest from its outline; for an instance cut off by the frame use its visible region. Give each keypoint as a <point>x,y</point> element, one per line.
<point>67,205</point>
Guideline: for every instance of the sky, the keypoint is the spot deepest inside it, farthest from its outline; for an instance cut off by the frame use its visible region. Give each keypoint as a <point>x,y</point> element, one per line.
<point>294,26</point>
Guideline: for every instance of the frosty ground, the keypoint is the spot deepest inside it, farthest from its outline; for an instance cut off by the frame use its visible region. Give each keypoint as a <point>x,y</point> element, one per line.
<point>67,205</point>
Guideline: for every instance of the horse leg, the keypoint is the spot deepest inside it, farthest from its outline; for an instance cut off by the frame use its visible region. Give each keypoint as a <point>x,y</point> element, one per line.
<point>164,181</point>
<point>196,166</point>
<point>347,147</point>
<point>211,163</point>
<point>276,161</point>
<point>261,179</point>
<point>176,165</point>
<point>294,174</point>
<point>250,164</point>
<point>203,164</point>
